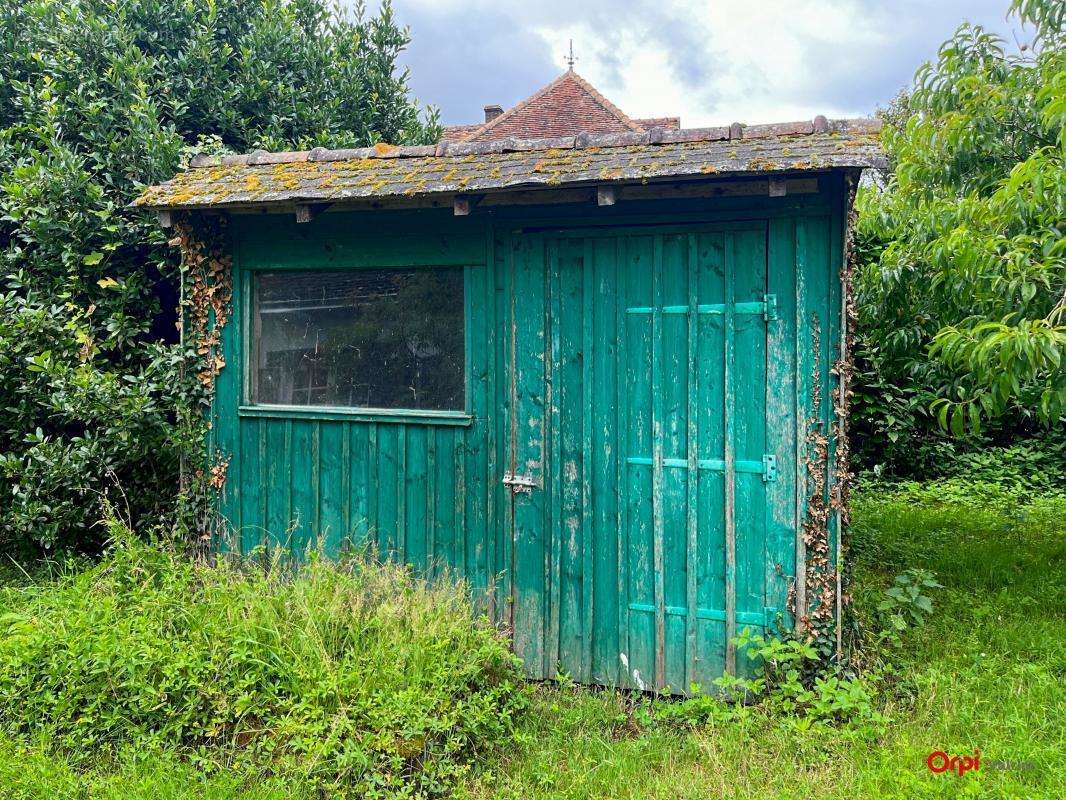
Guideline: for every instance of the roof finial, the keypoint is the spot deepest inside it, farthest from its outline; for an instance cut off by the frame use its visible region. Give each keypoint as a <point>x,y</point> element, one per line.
<point>570,59</point>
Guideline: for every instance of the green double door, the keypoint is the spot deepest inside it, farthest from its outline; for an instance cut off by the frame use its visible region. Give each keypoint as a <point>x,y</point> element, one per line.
<point>637,459</point>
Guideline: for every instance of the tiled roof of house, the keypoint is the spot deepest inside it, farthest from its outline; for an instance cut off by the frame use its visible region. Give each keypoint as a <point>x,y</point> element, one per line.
<point>567,106</point>
<point>384,171</point>
<point>457,133</point>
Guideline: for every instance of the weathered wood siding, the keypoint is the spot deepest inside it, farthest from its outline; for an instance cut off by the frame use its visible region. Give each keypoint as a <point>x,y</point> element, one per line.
<point>586,366</point>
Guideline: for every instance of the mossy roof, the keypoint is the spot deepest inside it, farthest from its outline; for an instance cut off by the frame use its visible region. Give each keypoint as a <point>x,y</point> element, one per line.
<point>384,171</point>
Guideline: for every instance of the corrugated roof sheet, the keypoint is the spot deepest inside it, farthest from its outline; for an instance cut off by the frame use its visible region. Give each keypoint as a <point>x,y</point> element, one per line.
<point>384,171</point>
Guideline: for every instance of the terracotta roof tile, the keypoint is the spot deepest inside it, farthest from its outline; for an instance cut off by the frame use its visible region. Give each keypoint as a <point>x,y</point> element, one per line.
<point>567,106</point>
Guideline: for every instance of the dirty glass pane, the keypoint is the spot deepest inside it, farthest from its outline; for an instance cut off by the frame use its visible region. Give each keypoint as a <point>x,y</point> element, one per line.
<point>387,338</point>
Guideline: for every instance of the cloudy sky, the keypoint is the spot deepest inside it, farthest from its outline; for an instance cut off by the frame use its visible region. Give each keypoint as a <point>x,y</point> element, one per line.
<point>710,61</point>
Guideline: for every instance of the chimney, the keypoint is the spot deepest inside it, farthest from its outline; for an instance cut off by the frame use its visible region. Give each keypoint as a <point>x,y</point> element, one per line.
<point>493,111</point>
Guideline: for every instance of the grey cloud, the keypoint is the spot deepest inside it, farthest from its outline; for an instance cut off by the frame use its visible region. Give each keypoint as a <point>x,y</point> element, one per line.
<point>469,54</point>
<point>859,77</point>
<point>464,57</point>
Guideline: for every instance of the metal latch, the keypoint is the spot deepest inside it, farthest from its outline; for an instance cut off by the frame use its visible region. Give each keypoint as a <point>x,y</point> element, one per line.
<point>770,307</point>
<point>769,469</point>
<point>519,484</point>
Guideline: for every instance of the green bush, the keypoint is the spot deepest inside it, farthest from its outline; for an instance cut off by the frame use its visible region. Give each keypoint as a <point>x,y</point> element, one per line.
<point>98,99</point>
<point>348,677</point>
<point>998,478</point>
<point>961,255</point>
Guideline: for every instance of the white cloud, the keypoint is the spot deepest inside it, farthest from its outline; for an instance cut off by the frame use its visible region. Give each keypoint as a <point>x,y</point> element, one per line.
<point>710,61</point>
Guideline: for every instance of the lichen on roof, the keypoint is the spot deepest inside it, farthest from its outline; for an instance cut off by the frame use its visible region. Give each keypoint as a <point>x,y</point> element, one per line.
<point>388,171</point>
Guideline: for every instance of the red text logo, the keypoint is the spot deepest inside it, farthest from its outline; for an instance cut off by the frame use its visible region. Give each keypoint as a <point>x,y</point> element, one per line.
<point>939,762</point>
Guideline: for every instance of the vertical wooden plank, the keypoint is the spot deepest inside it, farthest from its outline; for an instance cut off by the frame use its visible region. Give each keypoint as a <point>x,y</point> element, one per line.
<point>604,533</point>
<point>414,493</point>
<point>374,475</point>
<point>532,555</point>
<point>290,533</point>
<point>315,534</point>
<point>553,517</point>
<point>730,473</point>
<point>638,276</point>
<point>253,520</point>
<point>710,545</point>
<point>510,436</point>
<point>692,499</point>
<point>465,536</point>
<point>347,468</point>
<point>749,427</point>
<point>479,478</point>
<point>621,449</point>
<point>803,392</point>
<point>657,459</point>
<point>399,486</point>
<point>333,491</point>
<point>676,383</point>
<point>301,485</point>
<point>362,531</point>
<point>587,294</point>
<point>432,490</point>
<point>781,416</point>
<point>224,444</point>
<point>265,485</point>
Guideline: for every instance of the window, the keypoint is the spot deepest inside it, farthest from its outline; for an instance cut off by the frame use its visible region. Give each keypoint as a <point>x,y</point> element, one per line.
<point>384,338</point>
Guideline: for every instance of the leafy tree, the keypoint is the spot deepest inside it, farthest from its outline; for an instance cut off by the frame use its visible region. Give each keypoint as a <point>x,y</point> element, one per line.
<point>962,287</point>
<point>97,99</point>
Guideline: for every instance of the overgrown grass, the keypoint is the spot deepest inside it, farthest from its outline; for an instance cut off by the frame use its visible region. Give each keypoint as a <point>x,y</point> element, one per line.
<point>352,677</point>
<point>985,672</point>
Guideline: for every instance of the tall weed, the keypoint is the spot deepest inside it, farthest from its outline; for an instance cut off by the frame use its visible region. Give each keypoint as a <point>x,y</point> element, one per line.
<point>353,676</point>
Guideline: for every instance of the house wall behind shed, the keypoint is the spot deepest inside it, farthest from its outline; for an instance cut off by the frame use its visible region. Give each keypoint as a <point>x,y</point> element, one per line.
<point>427,491</point>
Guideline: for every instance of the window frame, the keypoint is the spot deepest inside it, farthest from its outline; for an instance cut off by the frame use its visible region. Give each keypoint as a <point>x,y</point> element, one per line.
<point>249,329</point>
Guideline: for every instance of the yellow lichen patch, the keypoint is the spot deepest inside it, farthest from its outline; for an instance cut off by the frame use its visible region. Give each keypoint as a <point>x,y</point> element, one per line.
<point>416,188</point>
<point>381,148</point>
<point>495,173</point>
<point>252,183</point>
<point>611,173</point>
<point>760,164</point>
<point>707,169</point>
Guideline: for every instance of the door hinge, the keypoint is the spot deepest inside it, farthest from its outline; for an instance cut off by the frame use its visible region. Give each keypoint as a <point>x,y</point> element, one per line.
<point>769,307</point>
<point>519,484</point>
<point>769,469</point>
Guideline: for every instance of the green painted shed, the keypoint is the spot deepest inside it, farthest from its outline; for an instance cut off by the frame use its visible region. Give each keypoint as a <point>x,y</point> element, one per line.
<point>599,377</point>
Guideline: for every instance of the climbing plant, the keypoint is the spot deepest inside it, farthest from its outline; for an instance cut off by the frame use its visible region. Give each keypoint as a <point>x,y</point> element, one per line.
<point>962,285</point>
<point>97,99</point>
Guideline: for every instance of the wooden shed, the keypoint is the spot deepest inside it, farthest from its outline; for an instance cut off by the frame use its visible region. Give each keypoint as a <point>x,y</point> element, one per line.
<point>598,377</point>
